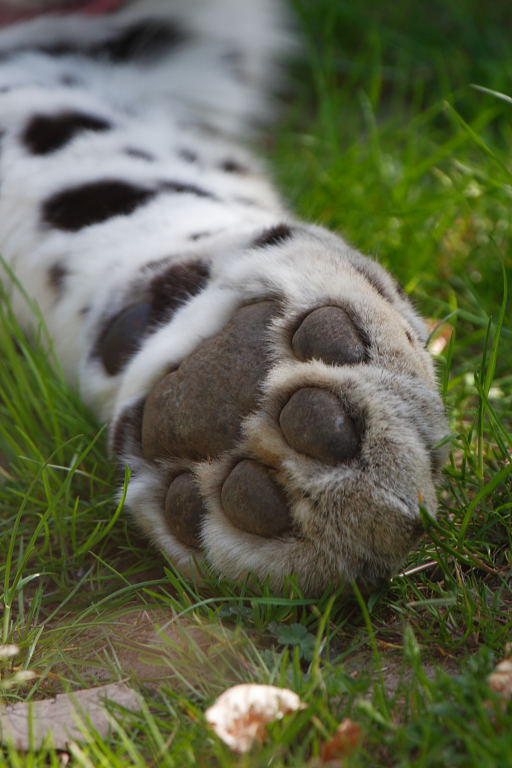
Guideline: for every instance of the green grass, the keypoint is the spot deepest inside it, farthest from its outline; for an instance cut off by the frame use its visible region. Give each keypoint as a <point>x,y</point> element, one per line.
<point>386,141</point>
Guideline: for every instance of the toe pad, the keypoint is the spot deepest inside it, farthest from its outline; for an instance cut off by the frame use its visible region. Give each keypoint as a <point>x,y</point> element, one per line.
<point>328,334</point>
<point>184,510</point>
<point>314,422</point>
<point>253,502</point>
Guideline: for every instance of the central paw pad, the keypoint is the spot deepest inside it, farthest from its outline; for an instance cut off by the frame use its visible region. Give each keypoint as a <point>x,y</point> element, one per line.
<point>196,410</point>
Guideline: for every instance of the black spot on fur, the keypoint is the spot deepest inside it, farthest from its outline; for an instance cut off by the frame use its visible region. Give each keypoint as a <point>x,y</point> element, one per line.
<point>199,235</point>
<point>273,236</point>
<point>70,81</point>
<point>188,155</point>
<point>142,40</point>
<point>235,60</point>
<point>48,133</point>
<point>141,154</point>
<point>233,166</point>
<point>182,188</point>
<point>174,286</point>
<point>127,431</point>
<point>56,277</point>
<point>93,203</point>
<point>122,335</point>
<point>56,49</point>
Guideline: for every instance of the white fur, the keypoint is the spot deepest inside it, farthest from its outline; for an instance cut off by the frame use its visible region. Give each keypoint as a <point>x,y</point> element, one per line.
<point>354,520</point>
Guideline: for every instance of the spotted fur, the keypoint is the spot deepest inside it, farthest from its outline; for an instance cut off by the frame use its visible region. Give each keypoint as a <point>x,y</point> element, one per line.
<point>141,227</point>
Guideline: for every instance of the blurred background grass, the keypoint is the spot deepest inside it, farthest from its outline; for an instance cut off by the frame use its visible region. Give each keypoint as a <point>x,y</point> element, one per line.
<point>382,145</point>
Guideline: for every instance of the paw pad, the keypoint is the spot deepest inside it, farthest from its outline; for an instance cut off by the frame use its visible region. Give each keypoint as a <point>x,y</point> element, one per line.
<point>328,334</point>
<point>184,510</point>
<point>286,485</point>
<point>314,422</point>
<point>253,502</point>
<point>196,410</point>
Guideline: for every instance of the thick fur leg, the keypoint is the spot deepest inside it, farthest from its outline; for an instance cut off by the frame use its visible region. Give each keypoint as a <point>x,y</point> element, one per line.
<point>267,384</point>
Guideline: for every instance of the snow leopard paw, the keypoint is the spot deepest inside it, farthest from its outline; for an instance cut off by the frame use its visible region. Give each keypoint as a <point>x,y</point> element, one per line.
<point>299,438</point>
